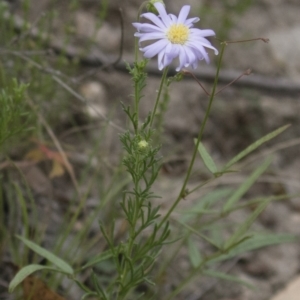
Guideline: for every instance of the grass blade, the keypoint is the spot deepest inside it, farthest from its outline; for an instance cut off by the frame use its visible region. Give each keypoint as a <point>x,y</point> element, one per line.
<point>194,253</point>
<point>245,186</point>
<point>61,264</point>
<point>254,146</point>
<point>25,272</point>
<point>97,259</point>
<point>207,159</point>
<point>243,228</point>
<point>256,242</point>
<point>227,277</point>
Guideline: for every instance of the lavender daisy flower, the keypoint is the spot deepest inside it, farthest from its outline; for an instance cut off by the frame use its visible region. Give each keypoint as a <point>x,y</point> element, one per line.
<point>174,37</point>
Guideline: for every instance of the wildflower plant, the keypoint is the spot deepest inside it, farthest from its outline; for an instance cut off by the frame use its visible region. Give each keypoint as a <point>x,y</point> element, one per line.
<point>176,37</point>
<point>148,232</point>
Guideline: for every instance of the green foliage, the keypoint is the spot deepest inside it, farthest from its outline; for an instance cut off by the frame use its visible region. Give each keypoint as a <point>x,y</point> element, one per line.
<point>14,114</point>
<point>136,259</point>
<point>59,263</point>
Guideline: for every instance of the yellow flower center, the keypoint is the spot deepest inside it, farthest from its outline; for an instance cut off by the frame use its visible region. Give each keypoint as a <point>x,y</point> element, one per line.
<point>178,34</point>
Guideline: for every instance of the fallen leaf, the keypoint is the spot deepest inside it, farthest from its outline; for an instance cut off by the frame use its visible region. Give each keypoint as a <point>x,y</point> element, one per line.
<point>35,155</point>
<point>43,153</point>
<point>35,289</point>
<point>57,169</point>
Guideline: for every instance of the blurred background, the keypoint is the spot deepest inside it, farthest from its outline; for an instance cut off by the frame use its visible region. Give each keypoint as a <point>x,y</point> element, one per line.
<point>69,54</point>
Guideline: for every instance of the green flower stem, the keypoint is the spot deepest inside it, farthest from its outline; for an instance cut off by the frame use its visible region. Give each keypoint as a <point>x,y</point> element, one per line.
<point>136,88</point>
<point>199,138</point>
<point>136,48</point>
<point>163,79</point>
<point>132,235</point>
<point>136,108</point>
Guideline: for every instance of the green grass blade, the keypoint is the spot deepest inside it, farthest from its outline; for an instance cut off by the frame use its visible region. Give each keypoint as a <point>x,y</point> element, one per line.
<point>257,241</point>
<point>62,265</point>
<point>243,228</point>
<point>25,272</point>
<point>97,259</point>
<point>207,159</point>
<point>245,186</point>
<point>254,146</point>
<point>205,203</point>
<point>194,253</point>
<point>227,277</point>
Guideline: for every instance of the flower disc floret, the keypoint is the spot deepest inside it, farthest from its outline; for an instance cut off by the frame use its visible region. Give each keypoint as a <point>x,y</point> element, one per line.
<point>173,37</point>
<point>178,34</point>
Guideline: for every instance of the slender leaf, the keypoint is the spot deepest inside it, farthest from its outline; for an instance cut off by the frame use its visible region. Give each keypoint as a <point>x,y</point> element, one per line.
<point>61,264</point>
<point>256,242</point>
<point>97,259</point>
<point>243,228</point>
<point>225,276</point>
<point>207,159</point>
<point>244,187</point>
<point>204,204</point>
<point>194,253</point>
<point>254,146</point>
<point>196,232</point>
<point>25,272</point>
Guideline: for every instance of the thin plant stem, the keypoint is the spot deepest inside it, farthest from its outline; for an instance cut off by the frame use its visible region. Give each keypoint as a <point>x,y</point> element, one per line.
<point>163,79</point>
<point>136,88</point>
<point>199,138</point>
<point>136,48</point>
<point>183,283</point>
<point>136,108</point>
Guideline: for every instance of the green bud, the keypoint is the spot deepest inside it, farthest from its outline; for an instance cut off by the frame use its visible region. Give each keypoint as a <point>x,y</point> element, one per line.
<point>142,145</point>
<point>151,8</point>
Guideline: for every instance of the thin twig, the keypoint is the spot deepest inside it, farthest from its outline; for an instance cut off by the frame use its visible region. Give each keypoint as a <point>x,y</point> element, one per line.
<point>247,72</point>
<point>265,40</point>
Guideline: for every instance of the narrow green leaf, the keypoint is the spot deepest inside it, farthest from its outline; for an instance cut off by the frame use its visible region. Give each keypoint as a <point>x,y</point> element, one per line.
<point>257,241</point>
<point>206,202</point>
<point>242,229</point>
<point>61,264</point>
<point>245,186</point>
<point>97,259</point>
<point>208,240</point>
<point>227,277</point>
<point>254,146</point>
<point>25,272</point>
<point>207,159</point>
<point>194,253</point>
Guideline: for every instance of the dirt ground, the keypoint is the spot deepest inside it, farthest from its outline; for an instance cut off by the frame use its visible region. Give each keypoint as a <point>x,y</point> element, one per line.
<point>258,104</point>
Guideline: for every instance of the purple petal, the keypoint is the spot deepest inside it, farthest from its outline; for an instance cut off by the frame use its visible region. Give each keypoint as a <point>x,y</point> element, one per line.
<point>189,22</point>
<point>183,14</point>
<point>154,49</point>
<point>150,36</point>
<point>160,60</point>
<point>163,14</point>
<point>148,28</point>
<point>201,53</point>
<point>183,59</point>
<point>154,19</point>
<point>169,54</point>
<point>173,18</point>
<point>202,32</point>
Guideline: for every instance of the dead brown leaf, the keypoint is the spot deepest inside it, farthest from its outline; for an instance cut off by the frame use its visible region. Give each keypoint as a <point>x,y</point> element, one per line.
<point>35,289</point>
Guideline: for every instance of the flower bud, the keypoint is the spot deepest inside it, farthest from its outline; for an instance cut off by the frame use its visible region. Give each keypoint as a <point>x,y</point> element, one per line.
<point>142,145</point>
<point>151,8</point>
